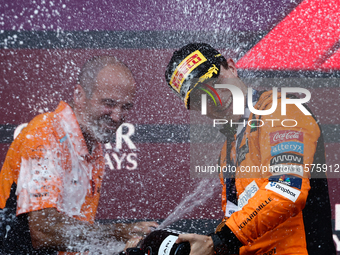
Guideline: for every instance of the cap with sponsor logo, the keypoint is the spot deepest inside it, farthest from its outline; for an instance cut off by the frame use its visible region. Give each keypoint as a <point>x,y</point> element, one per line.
<point>194,61</point>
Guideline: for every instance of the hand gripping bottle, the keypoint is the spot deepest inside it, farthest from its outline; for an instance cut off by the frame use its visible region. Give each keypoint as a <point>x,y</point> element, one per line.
<point>161,242</point>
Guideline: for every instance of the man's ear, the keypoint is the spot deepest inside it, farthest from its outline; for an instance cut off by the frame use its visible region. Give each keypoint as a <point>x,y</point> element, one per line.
<point>232,66</point>
<point>79,95</point>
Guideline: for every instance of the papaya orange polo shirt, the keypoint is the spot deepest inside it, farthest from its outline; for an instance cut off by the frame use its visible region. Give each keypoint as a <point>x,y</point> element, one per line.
<point>50,163</point>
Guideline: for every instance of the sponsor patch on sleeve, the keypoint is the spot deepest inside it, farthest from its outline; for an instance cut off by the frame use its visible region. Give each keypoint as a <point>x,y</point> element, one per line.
<point>284,190</point>
<point>290,180</point>
<point>285,135</point>
<point>286,169</point>
<point>230,208</point>
<point>248,193</point>
<point>286,158</point>
<point>287,146</point>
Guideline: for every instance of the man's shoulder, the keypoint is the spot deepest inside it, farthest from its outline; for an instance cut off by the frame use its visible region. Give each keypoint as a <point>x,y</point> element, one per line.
<point>45,123</point>
<point>39,130</point>
<point>292,118</point>
<point>266,98</point>
<point>41,123</point>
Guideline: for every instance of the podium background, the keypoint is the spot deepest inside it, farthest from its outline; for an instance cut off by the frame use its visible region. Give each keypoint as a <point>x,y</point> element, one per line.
<point>44,43</point>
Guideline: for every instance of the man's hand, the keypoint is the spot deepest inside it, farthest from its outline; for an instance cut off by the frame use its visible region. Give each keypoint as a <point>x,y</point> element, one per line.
<point>143,228</point>
<point>133,242</point>
<point>51,229</point>
<point>199,244</point>
<point>128,231</point>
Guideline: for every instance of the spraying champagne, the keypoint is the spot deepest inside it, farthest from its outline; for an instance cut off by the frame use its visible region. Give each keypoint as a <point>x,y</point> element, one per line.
<point>160,242</point>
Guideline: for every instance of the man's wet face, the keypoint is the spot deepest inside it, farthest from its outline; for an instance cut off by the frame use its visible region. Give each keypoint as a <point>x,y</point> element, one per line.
<point>109,103</point>
<point>219,104</point>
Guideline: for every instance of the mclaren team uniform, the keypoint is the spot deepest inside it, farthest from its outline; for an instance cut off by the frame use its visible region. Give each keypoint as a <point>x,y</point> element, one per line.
<point>47,166</point>
<point>275,203</point>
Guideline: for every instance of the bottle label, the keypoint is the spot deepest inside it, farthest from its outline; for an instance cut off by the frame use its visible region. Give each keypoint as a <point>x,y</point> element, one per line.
<point>167,244</point>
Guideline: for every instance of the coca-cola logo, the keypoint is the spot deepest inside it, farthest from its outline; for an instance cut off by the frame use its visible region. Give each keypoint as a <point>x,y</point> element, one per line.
<point>285,135</point>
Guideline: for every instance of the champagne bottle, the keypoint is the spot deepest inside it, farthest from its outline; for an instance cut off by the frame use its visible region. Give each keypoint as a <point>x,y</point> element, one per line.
<point>161,242</point>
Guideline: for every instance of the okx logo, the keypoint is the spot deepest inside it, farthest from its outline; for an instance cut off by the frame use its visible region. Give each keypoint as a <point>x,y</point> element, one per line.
<point>238,100</point>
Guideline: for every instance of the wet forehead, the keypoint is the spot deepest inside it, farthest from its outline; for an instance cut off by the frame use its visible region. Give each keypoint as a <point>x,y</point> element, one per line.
<point>115,81</point>
<point>114,74</point>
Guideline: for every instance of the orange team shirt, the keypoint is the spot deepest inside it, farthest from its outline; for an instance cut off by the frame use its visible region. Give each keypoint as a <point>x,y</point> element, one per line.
<point>50,163</point>
<point>268,217</point>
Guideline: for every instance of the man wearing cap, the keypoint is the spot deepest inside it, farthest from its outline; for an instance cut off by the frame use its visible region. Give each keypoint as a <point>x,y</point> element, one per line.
<point>284,210</point>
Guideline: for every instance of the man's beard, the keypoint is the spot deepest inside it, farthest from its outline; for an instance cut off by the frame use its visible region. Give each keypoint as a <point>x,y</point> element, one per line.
<point>101,134</point>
